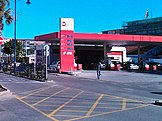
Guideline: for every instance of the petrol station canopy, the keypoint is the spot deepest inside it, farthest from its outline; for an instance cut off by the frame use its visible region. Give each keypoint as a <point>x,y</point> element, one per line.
<point>111,39</point>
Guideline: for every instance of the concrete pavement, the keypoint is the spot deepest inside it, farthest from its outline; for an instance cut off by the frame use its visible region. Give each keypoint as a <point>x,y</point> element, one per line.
<point>95,99</point>
<point>122,76</point>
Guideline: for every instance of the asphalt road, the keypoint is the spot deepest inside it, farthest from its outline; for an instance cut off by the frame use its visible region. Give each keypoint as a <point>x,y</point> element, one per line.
<point>117,96</point>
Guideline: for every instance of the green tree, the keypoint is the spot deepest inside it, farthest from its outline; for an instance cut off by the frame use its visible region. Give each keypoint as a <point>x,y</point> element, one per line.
<point>9,48</point>
<point>5,13</point>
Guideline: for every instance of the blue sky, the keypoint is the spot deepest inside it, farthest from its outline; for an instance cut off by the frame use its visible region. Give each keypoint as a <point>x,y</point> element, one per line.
<point>91,16</point>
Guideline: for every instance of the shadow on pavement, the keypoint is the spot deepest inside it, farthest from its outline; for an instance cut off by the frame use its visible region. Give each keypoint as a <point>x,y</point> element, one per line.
<point>2,89</point>
<point>159,93</point>
<point>143,71</point>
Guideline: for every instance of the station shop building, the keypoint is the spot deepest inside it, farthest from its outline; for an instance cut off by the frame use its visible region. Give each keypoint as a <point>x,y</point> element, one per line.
<point>88,48</point>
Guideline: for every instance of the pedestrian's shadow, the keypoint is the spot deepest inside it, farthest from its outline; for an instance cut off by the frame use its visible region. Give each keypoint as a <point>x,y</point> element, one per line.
<point>159,93</point>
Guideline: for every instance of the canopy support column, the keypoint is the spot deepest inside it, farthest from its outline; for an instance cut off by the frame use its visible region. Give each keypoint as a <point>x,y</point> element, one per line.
<point>139,56</point>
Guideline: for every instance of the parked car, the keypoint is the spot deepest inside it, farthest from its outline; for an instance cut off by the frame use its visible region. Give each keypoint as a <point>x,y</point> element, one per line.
<point>55,66</point>
<point>158,65</point>
<point>134,66</point>
<point>103,66</point>
<point>129,65</point>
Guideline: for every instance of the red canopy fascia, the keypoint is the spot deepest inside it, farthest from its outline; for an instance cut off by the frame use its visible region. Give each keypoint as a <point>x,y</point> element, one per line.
<point>103,37</point>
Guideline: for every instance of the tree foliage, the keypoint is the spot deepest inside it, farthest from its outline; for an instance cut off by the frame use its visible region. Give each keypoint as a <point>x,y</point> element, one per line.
<point>5,13</point>
<point>9,48</point>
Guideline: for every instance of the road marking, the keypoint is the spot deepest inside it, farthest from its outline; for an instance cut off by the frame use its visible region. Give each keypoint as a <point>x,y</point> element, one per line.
<point>110,107</point>
<point>66,116</point>
<point>72,111</point>
<point>53,112</point>
<point>35,92</point>
<point>82,117</point>
<point>124,104</point>
<point>122,98</point>
<point>36,109</point>
<point>82,103</point>
<point>112,96</point>
<point>47,105</point>
<point>94,105</point>
<point>49,97</point>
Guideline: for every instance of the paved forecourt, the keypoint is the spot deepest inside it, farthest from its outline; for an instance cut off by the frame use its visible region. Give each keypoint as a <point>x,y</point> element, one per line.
<point>65,103</point>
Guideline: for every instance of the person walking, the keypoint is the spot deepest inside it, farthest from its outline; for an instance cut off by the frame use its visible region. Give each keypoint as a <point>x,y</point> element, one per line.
<point>98,70</point>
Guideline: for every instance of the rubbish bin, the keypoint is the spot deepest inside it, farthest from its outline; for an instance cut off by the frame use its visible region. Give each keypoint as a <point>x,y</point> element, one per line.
<point>154,67</point>
<point>147,67</point>
<point>79,66</point>
<point>112,66</point>
<point>117,66</point>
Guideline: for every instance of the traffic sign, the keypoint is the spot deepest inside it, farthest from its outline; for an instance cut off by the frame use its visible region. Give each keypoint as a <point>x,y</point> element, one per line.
<point>46,48</point>
<point>1,40</point>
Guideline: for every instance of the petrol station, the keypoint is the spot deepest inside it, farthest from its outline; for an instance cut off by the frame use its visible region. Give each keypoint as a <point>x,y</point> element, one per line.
<point>84,49</point>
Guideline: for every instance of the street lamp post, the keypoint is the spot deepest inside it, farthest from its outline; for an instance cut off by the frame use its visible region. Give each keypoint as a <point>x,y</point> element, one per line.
<point>28,2</point>
<point>15,41</point>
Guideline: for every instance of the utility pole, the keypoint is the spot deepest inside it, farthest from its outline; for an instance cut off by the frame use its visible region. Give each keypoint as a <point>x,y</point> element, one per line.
<point>15,41</point>
<point>46,62</point>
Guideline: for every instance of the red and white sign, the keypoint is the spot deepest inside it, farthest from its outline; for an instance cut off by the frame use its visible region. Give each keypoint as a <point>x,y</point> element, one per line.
<point>66,44</point>
<point>39,43</point>
<point>115,56</point>
<point>67,24</point>
<point>1,40</point>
